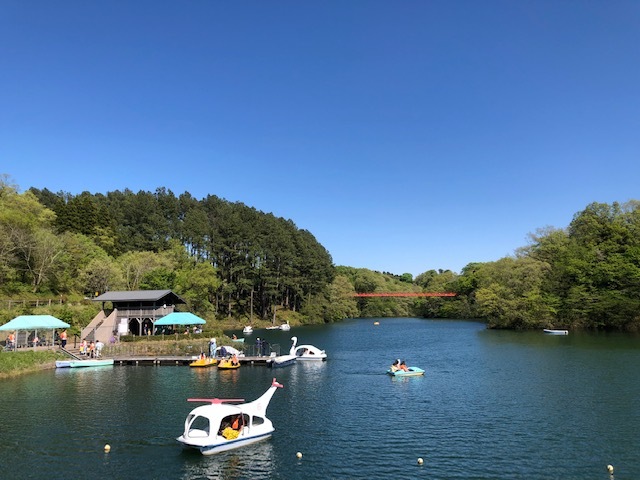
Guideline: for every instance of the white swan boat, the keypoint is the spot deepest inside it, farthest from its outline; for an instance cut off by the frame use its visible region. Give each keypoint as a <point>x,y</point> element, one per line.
<point>247,330</point>
<point>220,426</point>
<point>306,352</point>
<point>276,361</point>
<point>285,327</point>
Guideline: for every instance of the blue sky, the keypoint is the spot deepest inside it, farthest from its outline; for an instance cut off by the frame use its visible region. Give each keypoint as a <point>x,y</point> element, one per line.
<point>406,136</point>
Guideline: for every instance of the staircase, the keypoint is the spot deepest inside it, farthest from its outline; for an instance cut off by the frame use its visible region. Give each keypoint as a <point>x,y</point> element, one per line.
<point>100,328</point>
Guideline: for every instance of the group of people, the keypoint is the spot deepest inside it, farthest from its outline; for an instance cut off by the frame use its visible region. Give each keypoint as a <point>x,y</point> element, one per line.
<point>399,365</point>
<point>262,347</point>
<point>91,349</point>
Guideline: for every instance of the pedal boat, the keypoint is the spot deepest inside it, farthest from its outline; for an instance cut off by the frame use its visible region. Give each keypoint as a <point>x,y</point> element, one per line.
<point>203,362</point>
<point>221,426</point>
<point>227,364</point>
<point>306,352</point>
<point>413,372</point>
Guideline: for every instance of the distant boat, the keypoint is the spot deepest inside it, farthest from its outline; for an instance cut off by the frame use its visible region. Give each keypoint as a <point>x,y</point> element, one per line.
<point>551,331</point>
<point>285,327</point>
<point>412,372</point>
<point>247,330</point>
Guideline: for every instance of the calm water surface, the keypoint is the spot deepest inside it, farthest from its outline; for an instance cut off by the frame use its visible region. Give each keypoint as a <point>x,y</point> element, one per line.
<point>492,405</point>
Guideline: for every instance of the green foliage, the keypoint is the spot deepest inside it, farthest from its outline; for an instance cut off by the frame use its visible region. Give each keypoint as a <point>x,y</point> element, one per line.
<point>229,260</point>
<point>18,362</point>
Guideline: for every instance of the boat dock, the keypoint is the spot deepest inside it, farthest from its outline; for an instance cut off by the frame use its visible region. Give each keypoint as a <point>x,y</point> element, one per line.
<point>177,360</point>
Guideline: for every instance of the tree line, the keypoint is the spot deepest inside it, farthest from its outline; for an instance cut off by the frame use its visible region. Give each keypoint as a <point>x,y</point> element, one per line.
<point>584,276</point>
<point>230,260</point>
<point>225,259</point>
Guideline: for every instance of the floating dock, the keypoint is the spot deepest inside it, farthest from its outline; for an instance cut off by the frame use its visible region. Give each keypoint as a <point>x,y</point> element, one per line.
<point>178,361</point>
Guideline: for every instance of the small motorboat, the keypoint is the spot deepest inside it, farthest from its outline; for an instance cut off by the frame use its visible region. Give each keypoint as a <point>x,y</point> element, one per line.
<point>228,364</point>
<point>203,362</point>
<point>220,426</point>
<point>306,352</point>
<point>247,330</point>
<point>83,363</point>
<point>551,331</point>
<point>276,361</point>
<point>412,372</point>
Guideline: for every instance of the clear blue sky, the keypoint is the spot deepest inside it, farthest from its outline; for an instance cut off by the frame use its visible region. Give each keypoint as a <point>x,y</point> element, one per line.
<point>405,135</point>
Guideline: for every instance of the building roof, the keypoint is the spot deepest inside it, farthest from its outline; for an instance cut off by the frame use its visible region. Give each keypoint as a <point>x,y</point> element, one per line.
<point>34,322</point>
<point>138,296</point>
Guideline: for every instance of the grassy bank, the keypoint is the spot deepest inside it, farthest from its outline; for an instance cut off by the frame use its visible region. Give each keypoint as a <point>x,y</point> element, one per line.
<point>17,363</point>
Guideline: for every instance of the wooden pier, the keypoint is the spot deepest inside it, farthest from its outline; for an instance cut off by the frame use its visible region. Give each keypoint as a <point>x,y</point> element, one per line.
<point>178,361</point>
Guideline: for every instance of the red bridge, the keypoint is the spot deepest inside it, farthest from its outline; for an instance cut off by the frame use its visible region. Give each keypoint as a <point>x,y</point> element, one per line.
<point>406,294</point>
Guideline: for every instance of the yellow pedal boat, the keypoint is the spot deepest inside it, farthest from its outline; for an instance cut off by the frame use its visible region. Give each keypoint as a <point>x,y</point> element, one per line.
<point>227,364</point>
<point>204,362</point>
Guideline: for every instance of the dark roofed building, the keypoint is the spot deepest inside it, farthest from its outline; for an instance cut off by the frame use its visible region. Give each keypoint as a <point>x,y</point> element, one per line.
<point>130,312</point>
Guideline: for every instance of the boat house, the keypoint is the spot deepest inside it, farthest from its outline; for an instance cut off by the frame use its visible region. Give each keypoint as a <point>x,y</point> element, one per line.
<point>130,313</point>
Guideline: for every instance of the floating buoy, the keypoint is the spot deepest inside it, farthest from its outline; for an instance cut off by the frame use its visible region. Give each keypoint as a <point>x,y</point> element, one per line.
<point>107,448</point>
<point>610,469</point>
<point>420,461</point>
<point>299,455</point>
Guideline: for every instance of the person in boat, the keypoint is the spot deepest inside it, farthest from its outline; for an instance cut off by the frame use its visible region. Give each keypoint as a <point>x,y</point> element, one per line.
<point>403,367</point>
<point>234,359</point>
<point>395,366</point>
<point>235,424</point>
<point>234,336</point>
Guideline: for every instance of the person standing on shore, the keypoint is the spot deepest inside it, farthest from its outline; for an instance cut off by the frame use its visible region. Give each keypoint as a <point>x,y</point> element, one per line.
<point>63,339</point>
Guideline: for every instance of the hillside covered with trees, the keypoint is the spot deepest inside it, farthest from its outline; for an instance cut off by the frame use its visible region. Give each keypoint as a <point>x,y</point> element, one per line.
<point>231,261</point>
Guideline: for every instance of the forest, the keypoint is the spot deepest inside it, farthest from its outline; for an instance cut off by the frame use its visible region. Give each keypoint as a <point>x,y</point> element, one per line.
<point>231,261</point>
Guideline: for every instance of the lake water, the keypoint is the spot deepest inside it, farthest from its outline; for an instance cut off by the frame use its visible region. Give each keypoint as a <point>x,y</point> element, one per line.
<point>492,405</point>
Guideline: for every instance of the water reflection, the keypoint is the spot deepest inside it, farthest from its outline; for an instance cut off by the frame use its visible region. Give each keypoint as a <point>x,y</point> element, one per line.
<point>252,462</point>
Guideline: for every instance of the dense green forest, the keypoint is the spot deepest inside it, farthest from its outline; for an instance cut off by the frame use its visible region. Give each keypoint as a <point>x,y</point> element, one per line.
<point>231,261</point>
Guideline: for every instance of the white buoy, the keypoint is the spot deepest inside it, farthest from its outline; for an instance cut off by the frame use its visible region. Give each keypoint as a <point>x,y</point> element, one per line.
<point>299,455</point>
<point>420,461</point>
<point>610,469</point>
<point>107,448</point>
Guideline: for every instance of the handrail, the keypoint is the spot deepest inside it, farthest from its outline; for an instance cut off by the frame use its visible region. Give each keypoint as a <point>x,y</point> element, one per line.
<point>70,354</point>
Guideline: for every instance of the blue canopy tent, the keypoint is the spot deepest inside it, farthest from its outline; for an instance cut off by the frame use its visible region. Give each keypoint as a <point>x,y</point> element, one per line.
<point>179,318</point>
<point>32,323</point>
